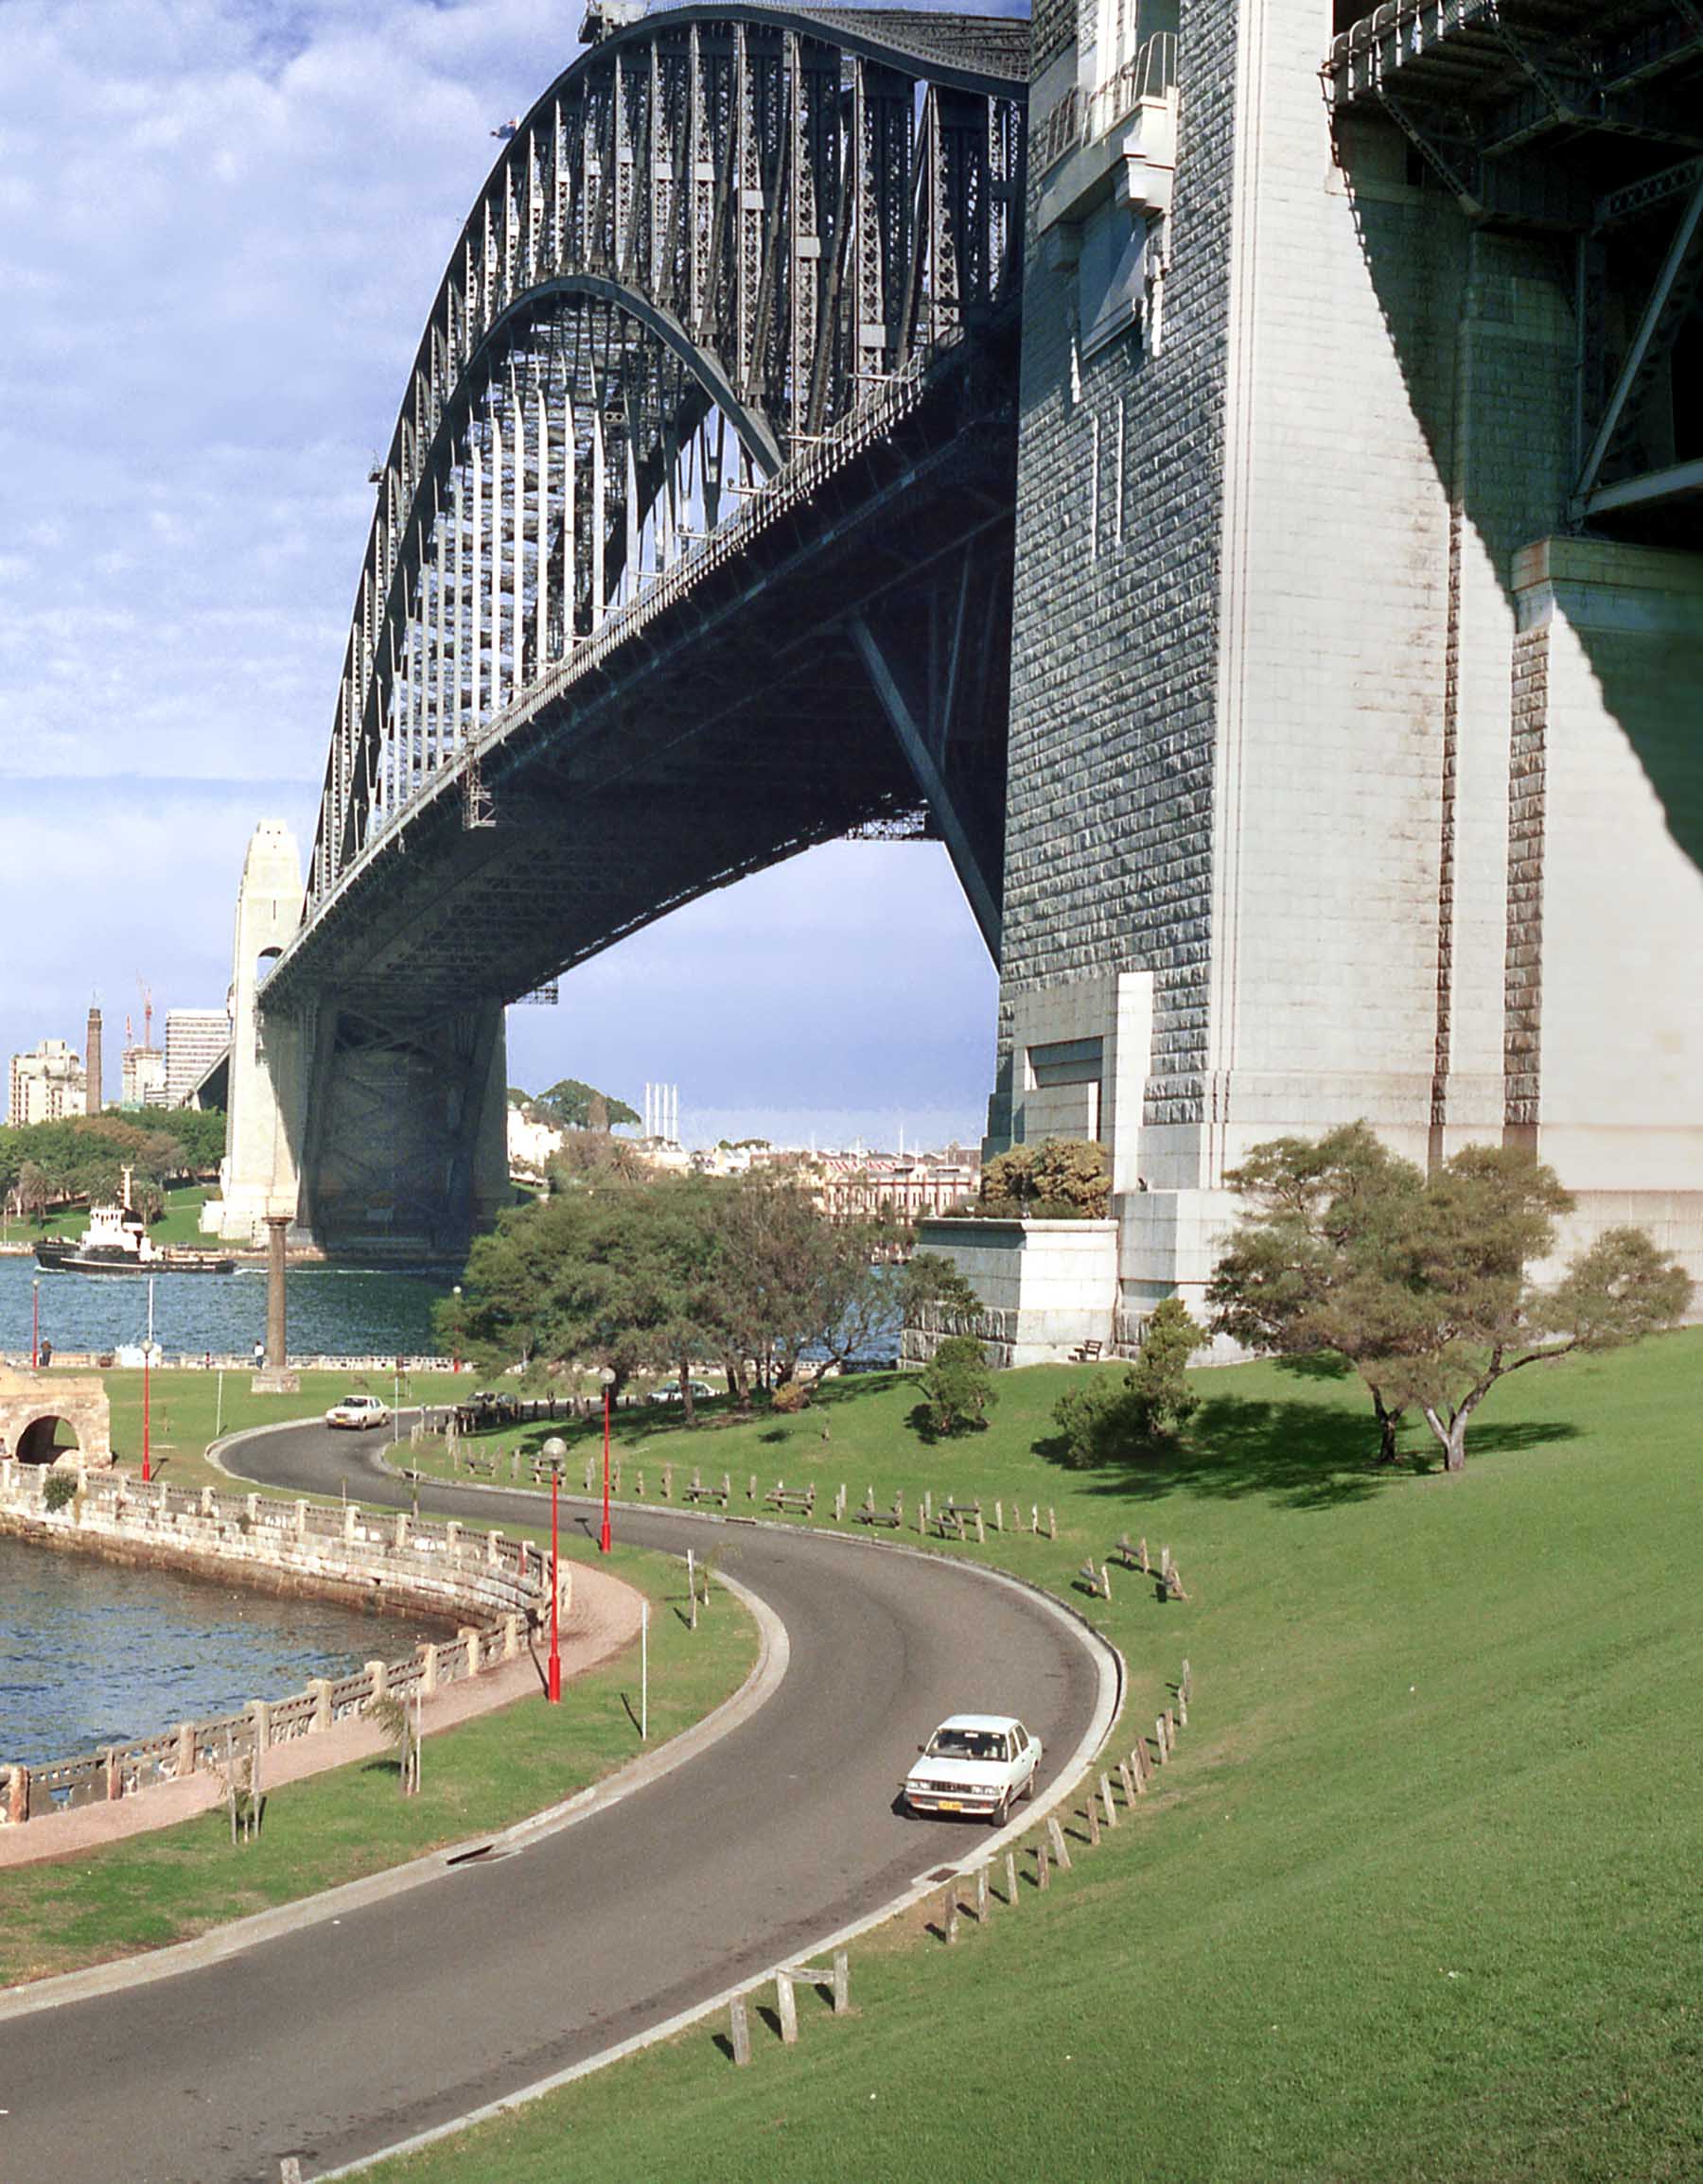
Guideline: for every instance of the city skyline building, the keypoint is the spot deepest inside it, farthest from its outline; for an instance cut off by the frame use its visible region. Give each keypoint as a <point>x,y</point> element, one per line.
<point>195,1039</point>
<point>44,1085</point>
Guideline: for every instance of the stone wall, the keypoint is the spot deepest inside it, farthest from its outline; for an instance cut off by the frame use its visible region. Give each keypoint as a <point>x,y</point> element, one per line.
<point>32,1402</point>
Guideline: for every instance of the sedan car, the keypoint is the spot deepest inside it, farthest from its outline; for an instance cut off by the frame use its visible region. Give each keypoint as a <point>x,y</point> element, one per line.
<point>669,1391</point>
<point>359,1411</point>
<point>976,1765</point>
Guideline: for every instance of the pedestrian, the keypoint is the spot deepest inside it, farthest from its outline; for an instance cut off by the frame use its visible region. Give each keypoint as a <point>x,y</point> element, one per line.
<point>46,1354</point>
<point>259,1353</point>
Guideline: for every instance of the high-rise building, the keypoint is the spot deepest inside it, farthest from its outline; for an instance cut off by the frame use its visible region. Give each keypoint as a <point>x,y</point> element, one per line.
<point>143,1078</point>
<point>46,1084</point>
<point>93,1087</point>
<point>195,1039</point>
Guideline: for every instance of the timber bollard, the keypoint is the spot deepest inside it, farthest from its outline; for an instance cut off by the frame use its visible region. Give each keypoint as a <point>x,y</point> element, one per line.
<point>949,1914</point>
<point>739,2031</point>
<point>1159,1740</point>
<point>1041,1877</point>
<point>1129,1786</point>
<point>842,1982</point>
<point>1011,1878</point>
<point>1061,1849</point>
<point>1106,1800</point>
<point>786,2009</point>
<point>981,1896</point>
<point>1091,1810</point>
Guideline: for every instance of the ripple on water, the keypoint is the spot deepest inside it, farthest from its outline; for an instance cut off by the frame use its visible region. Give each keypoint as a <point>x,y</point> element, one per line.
<point>93,1653</point>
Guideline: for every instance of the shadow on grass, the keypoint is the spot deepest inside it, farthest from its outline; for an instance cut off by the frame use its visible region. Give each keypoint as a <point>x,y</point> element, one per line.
<point>641,1422</point>
<point>1300,1453</point>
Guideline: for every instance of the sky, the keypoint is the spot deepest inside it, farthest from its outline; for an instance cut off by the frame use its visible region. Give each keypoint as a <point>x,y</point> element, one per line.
<point>221,225</point>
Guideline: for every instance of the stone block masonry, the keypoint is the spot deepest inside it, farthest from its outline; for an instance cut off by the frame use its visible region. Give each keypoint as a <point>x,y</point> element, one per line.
<point>1316,729</point>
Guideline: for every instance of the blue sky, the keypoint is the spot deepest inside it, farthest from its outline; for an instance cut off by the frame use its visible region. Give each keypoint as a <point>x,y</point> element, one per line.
<point>221,223</point>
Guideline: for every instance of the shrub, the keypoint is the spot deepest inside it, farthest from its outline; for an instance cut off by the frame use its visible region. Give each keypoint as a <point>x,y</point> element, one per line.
<point>1103,1419</point>
<point>789,1397</point>
<point>957,1386</point>
<point>59,1488</point>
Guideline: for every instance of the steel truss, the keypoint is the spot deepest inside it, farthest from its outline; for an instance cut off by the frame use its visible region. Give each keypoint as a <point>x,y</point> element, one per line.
<point>716,237</point>
<point>1582,119</point>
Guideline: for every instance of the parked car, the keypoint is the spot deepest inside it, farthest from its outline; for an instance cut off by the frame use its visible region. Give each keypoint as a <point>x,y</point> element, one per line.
<point>976,1765</point>
<point>669,1391</point>
<point>358,1412</point>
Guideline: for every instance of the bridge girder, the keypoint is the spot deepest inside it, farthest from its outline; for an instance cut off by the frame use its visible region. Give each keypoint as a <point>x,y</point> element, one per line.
<point>716,236</point>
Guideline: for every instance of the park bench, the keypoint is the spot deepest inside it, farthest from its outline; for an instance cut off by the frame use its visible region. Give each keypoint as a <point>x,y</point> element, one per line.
<point>488,1464</point>
<point>957,1516</point>
<point>892,1519</point>
<point>800,1500</point>
<point>721,1495</point>
<point>1086,1353</point>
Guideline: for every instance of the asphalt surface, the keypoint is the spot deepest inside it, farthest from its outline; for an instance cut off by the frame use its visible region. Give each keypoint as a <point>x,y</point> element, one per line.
<point>342,2038</point>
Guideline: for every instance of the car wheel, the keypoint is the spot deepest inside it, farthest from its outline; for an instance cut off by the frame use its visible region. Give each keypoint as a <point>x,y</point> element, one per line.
<point>1002,1812</point>
<point>1029,1787</point>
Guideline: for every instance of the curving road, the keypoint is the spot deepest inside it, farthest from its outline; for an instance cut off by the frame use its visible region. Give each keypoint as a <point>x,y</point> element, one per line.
<point>345,2035</point>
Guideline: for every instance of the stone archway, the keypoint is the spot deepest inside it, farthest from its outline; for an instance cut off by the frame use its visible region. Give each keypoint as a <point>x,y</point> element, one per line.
<point>33,1406</point>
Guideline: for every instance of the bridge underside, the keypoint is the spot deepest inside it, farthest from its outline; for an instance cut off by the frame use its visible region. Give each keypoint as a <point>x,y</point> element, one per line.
<point>847,670</point>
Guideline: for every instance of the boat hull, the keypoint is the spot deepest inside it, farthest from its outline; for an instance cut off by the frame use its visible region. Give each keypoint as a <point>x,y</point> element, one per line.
<point>69,1259</point>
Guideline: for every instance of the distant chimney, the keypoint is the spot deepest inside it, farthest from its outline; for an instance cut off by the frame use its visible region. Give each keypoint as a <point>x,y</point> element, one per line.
<point>92,1100</point>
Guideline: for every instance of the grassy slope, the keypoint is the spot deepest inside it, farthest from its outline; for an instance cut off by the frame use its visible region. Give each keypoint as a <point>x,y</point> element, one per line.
<point>1418,1900</point>
<point>179,1224</point>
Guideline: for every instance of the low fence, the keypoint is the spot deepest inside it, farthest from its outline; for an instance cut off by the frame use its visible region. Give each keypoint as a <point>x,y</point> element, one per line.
<point>499,1587</point>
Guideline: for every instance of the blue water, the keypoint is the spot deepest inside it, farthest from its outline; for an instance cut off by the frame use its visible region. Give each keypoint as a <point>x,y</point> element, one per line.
<point>92,1654</point>
<point>333,1310</point>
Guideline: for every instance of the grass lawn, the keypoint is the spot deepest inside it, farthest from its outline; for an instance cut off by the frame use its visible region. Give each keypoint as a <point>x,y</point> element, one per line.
<point>487,1773</point>
<point>179,1224</point>
<point>1418,1898</point>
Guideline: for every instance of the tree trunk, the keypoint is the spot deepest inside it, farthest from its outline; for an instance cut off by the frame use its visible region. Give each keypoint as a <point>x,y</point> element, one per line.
<point>1388,1421</point>
<point>686,1390</point>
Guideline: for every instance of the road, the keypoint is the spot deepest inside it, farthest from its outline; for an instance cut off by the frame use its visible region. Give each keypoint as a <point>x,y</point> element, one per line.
<point>344,2036</point>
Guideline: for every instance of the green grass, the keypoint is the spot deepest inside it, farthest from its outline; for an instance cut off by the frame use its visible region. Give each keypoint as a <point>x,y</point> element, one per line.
<point>179,1224</point>
<point>1418,1900</point>
<point>157,1889</point>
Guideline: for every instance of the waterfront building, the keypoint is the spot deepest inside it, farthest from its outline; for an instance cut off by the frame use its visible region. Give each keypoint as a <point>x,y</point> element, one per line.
<point>144,1077</point>
<point>44,1085</point>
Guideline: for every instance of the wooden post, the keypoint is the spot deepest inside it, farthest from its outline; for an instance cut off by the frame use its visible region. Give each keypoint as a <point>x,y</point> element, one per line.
<point>668,1482</point>
<point>1052,1522</point>
<point>1147,1570</point>
<point>1012,1878</point>
<point>1061,1849</point>
<point>752,1488</point>
<point>842,1982</point>
<point>927,1513</point>
<point>185,1751</point>
<point>1041,1877</point>
<point>839,1504</point>
<point>786,2008</point>
<point>999,1517</point>
<point>1106,1799</point>
<point>1034,1516</point>
<point>949,1914</point>
<point>1159,1740</point>
<point>981,1529</point>
<point>1129,1786</point>
<point>1092,1809</point>
<point>981,1896</point>
<point>1173,1584</point>
<point>1138,1765</point>
<point>739,2028</point>
<point>638,1484</point>
<point>1182,1710</point>
<point>1186,1682</point>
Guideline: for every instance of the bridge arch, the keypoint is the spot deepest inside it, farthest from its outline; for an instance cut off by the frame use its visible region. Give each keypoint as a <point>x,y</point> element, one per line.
<point>713,237</point>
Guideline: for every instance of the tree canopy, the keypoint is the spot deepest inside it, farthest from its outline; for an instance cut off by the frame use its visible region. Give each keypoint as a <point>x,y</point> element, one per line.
<point>43,1164</point>
<point>1422,1282</point>
<point>575,1106</point>
<point>1061,1179</point>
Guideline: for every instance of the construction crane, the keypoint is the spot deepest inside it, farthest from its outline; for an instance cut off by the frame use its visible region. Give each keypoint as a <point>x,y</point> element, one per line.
<point>147,992</point>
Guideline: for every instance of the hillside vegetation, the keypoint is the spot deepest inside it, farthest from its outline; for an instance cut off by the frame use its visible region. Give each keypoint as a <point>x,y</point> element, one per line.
<point>1417,1898</point>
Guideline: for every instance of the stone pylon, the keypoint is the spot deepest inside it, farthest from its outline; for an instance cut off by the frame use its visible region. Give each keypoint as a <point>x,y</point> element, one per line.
<point>260,1172</point>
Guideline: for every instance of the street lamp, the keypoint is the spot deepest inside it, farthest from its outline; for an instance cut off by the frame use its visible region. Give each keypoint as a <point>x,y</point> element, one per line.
<point>146,1361</point>
<point>35,1325</point>
<point>554,1452</point>
<point>455,1334</point>
<point>608,1377</point>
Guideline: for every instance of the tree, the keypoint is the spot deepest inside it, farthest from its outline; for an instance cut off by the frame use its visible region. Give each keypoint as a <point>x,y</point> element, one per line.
<point>1061,1179</point>
<point>1422,1283</point>
<point>1301,1272</point>
<point>572,1105</point>
<point>957,1386</point>
<point>1102,1419</point>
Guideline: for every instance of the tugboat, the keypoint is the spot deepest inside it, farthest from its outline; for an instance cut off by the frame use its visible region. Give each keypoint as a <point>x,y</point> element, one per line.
<point>117,1242</point>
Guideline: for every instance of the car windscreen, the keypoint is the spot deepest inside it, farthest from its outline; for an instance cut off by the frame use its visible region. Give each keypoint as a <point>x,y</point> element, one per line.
<point>966,1744</point>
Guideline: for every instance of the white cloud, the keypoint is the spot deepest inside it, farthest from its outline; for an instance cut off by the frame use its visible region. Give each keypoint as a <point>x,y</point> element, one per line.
<point>222,224</point>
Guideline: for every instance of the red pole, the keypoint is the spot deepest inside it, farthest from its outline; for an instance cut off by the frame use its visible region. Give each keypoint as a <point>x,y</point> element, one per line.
<point>555,1693</point>
<point>603,1540</point>
<point>147,1475</point>
<point>35,1325</point>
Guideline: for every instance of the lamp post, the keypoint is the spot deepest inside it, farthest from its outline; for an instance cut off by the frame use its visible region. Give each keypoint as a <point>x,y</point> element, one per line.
<point>455,1336</point>
<point>554,1691</point>
<point>608,1377</point>
<point>35,1323</point>
<point>146,1362</point>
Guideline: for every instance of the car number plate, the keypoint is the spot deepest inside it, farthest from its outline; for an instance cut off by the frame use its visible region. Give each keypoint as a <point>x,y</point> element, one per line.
<point>951,1805</point>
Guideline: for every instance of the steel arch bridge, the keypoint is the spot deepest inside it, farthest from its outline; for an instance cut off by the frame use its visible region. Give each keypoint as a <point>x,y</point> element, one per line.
<point>691,547</point>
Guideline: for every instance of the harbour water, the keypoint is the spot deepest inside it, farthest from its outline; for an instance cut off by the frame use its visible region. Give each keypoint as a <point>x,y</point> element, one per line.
<point>93,1654</point>
<point>334,1311</point>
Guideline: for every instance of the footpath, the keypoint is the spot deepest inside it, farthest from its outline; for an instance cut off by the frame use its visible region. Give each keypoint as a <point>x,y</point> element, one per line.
<point>604,1618</point>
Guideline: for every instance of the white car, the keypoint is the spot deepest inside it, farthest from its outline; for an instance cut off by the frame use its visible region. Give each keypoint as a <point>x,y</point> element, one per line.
<point>669,1391</point>
<point>977,1765</point>
<point>359,1411</point>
